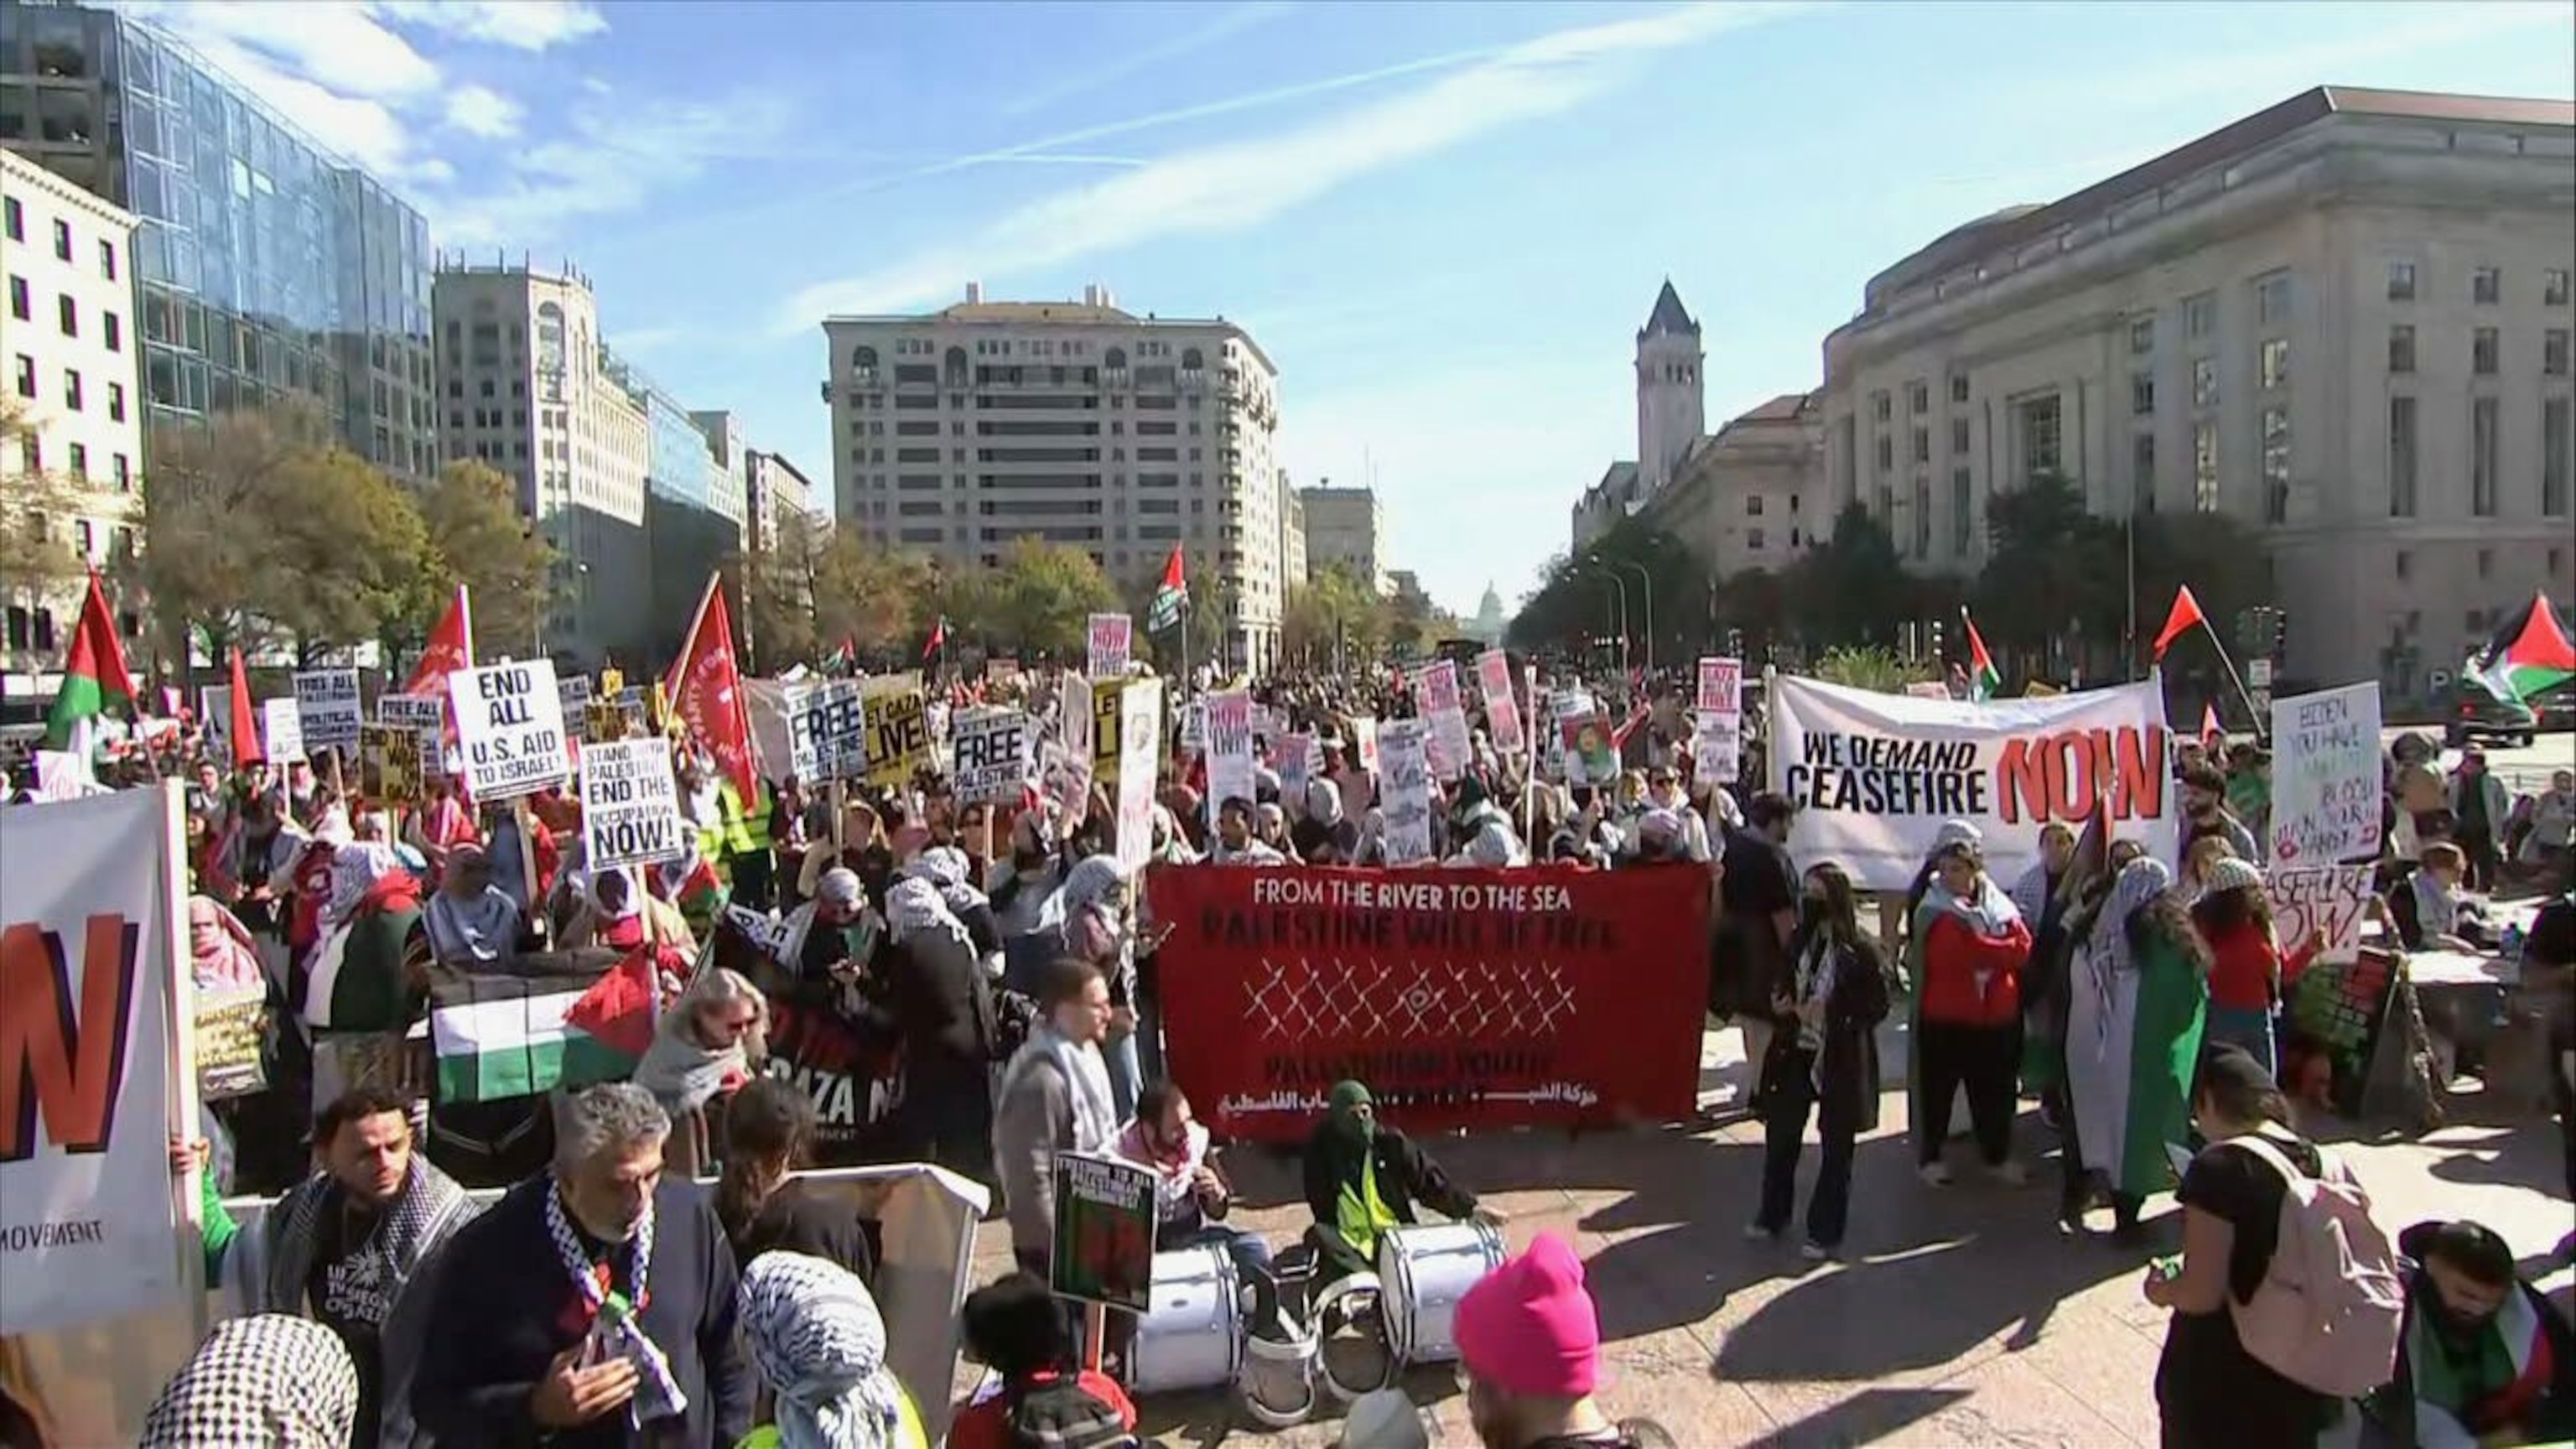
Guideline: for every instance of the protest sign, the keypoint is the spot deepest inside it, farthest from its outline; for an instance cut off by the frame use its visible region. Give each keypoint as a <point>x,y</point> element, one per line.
<point>827,736</point>
<point>1591,757</point>
<point>898,738</point>
<point>1873,776</point>
<point>1140,744</point>
<point>229,1026</point>
<point>509,728</point>
<point>2336,1015</point>
<point>1074,717</point>
<point>1104,1231</point>
<point>1105,716</point>
<point>2317,912</point>
<point>215,717</point>
<point>1194,728</point>
<point>1296,760</point>
<point>630,805</point>
<point>1502,710</point>
<point>389,763</point>
<point>1111,635</point>
<point>425,716</point>
<point>1230,764</point>
<point>326,707</point>
<point>2325,775</point>
<point>1064,779</point>
<point>1364,740</point>
<point>281,732</point>
<point>1717,740</point>
<point>574,692</point>
<point>993,761</point>
<point>1404,789</point>
<point>1447,744</point>
<point>1468,998</point>
<point>93,977</point>
<point>606,719</point>
<point>1265,722</point>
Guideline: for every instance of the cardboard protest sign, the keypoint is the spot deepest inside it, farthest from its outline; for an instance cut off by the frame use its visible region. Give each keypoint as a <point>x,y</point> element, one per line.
<point>1437,688</point>
<point>1364,740</point>
<point>1230,763</point>
<point>509,728</point>
<point>93,978</point>
<point>389,763</point>
<point>1103,730</point>
<point>1104,1231</point>
<point>898,738</point>
<point>630,804</point>
<point>992,755</point>
<point>1717,739</point>
<point>229,1027</point>
<point>281,732</point>
<point>2325,775</point>
<point>424,715</point>
<point>1404,788</point>
<point>827,736</point>
<point>1140,744</point>
<point>1502,711</point>
<point>326,707</point>
<point>2318,910</point>
<point>215,717</point>
<point>1111,634</point>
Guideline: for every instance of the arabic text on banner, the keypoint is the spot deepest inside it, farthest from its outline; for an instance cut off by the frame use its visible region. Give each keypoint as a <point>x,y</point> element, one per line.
<point>1481,999</point>
<point>1873,776</point>
<point>509,728</point>
<point>2325,775</point>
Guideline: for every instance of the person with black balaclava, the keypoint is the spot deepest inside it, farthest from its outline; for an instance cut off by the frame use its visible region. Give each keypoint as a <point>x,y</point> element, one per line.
<point>1363,1179</point>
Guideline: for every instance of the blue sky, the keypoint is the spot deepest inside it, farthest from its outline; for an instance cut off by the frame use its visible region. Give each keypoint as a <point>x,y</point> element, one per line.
<point>1443,222</point>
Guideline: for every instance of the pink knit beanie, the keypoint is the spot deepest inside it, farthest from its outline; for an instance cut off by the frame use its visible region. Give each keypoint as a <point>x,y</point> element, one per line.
<point>1529,1326</point>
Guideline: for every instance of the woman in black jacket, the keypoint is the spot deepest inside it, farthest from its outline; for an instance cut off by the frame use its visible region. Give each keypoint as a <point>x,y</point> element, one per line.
<point>939,1005</point>
<point>1823,1055</point>
<point>763,1205</point>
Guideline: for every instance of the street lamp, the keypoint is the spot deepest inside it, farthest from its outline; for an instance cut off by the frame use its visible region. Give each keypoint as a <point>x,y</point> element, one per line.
<point>1646,581</point>
<point>1619,591</point>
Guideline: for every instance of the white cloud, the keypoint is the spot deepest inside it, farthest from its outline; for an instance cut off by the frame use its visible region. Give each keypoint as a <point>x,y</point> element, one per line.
<point>1139,60</point>
<point>1241,184</point>
<point>606,161</point>
<point>341,40</point>
<point>519,24</point>
<point>482,111</point>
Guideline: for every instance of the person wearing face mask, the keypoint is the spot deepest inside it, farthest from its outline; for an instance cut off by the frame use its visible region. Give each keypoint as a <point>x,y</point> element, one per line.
<point>1824,1056</point>
<point>1055,1097</point>
<point>1364,1178</point>
<point>2485,1359</point>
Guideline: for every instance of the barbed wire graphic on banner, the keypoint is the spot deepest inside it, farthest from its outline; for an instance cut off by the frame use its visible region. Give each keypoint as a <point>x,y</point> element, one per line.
<point>1296,1000</point>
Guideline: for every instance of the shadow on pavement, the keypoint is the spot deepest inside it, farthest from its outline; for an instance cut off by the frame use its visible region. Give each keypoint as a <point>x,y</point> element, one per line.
<point>1865,1417</point>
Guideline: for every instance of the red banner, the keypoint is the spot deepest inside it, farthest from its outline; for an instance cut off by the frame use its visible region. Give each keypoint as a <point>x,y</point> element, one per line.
<point>1544,996</point>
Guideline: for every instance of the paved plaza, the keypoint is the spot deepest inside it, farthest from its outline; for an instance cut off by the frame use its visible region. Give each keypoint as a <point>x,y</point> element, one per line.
<point>1959,1317</point>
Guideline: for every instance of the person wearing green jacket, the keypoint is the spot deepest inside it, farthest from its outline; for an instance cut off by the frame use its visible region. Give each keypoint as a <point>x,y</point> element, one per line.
<point>215,1227</point>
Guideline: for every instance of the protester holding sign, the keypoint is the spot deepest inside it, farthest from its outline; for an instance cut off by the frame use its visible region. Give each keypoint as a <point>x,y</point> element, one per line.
<point>1054,1098</point>
<point>2235,920</point>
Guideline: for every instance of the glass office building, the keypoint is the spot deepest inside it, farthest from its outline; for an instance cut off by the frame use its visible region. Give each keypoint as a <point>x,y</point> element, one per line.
<point>265,267</point>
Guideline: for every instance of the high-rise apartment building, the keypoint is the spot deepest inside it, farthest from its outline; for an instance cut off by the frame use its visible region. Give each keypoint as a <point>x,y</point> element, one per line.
<point>67,340</point>
<point>775,489</point>
<point>265,268</point>
<point>959,431</point>
<point>1292,535</point>
<point>1345,529</point>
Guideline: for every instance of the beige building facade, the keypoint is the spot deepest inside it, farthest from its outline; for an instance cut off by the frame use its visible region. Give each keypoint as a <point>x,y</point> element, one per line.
<point>1747,496</point>
<point>69,343</point>
<point>959,431</point>
<point>1292,535</point>
<point>1346,529</point>
<point>2344,320</point>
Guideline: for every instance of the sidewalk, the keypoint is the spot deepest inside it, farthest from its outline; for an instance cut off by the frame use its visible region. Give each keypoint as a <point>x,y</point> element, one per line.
<point>1960,1317</point>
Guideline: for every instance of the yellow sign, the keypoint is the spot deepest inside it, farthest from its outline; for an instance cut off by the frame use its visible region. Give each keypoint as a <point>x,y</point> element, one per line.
<point>2041,689</point>
<point>1104,730</point>
<point>612,681</point>
<point>607,721</point>
<point>389,762</point>
<point>898,728</point>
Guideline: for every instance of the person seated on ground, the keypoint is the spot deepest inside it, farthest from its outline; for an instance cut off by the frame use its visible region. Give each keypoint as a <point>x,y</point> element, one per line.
<point>2434,911</point>
<point>1362,1179</point>
<point>1190,1198</point>
<point>820,1346</point>
<point>2485,1360</point>
<point>1529,1340</point>
<point>1015,1328</point>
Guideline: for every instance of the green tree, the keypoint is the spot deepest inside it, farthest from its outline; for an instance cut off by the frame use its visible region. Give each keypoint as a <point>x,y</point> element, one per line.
<point>37,557</point>
<point>2223,562</point>
<point>1635,572</point>
<point>476,536</point>
<point>879,600</point>
<point>1870,667</point>
<point>1042,597</point>
<point>778,595</point>
<point>1853,589</point>
<point>1333,618</point>
<point>2052,583</point>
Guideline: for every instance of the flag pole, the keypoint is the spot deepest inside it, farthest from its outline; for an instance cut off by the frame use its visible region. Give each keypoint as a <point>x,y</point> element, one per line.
<point>688,642</point>
<point>2261,725</point>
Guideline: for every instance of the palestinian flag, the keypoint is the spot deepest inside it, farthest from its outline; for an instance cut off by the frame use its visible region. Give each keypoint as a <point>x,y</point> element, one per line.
<point>2524,658</point>
<point>1170,596</point>
<point>94,677</point>
<point>500,1036</point>
<point>1983,680</point>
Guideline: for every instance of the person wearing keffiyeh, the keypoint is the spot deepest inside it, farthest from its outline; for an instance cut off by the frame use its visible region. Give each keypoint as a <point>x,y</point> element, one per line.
<point>2140,995</point>
<point>820,1345</point>
<point>269,1380</point>
<point>939,1004</point>
<point>1971,945</point>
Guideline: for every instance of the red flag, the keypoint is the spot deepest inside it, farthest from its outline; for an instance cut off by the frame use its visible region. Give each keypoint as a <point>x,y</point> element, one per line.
<point>245,723</point>
<point>2186,613</point>
<point>705,688</point>
<point>938,636</point>
<point>617,1010</point>
<point>451,647</point>
<point>2210,728</point>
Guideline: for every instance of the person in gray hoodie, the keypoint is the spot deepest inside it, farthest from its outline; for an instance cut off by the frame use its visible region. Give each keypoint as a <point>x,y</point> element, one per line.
<point>1054,1098</point>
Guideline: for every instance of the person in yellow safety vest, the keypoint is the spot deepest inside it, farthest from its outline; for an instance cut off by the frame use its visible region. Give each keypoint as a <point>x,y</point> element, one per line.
<point>737,840</point>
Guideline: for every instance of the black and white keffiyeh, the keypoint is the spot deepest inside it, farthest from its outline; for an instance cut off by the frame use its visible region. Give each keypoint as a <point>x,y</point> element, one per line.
<point>267,1382</point>
<point>421,1215</point>
<point>819,1342</point>
<point>618,1313</point>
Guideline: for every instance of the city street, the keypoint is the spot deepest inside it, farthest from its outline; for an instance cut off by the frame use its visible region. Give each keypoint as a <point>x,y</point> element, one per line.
<point>2525,768</point>
<point>1960,1317</point>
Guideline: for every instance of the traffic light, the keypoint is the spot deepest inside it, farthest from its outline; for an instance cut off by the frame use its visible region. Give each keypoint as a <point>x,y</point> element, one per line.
<point>1937,651</point>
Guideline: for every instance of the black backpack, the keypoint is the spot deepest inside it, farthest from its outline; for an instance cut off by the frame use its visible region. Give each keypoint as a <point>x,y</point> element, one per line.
<point>1060,1413</point>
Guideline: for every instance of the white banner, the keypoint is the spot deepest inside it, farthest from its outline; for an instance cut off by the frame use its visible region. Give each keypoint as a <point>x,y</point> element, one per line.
<point>1436,689</point>
<point>326,707</point>
<point>2317,911</point>
<point>1111,635</point>
<point>1502,711</point>
<point>1404,790</point>
<point>630,805</point>
<point>281,732</point>
<point>827,737</point>
<point>1717,740</point>
<point>509,728</point>
<point>1873,776</point>
<point>92,975</point>
<point>1140,745</point>
<point>1230,764</point>
<point>993,755</point>
<point>2325,775</point>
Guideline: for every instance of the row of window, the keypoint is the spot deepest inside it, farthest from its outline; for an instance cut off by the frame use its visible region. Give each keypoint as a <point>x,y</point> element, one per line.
<point>66,314</point>
<point>75,397</point>
<point>120,468</point>
<point>1066,402</point>
<point>2486,285</point>
<point>2486,432</point>
<point>13,220</point>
